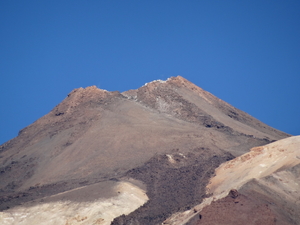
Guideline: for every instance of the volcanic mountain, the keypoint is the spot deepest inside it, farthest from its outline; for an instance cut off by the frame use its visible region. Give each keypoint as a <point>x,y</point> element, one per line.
<point>135,157</point>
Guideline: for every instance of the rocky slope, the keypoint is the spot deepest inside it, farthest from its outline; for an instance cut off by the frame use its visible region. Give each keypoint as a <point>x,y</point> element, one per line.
<point>259,187</point>
<point>169,135</point>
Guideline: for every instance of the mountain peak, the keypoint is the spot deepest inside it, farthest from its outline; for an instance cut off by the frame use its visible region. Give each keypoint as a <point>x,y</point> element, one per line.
<point>89,95</point>
<point>172,82</point>
<point>90,90</point>
<point>170,135</point>
<point>178,80</point>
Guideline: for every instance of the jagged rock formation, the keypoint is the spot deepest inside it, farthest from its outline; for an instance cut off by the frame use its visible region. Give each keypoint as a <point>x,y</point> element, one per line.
<point>170,135</point>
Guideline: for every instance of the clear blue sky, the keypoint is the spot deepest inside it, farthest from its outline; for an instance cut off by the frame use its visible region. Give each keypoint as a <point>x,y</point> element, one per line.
<point>244,52</point>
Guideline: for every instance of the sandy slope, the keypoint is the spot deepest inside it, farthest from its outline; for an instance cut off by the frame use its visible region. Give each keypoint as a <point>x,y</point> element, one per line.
<point>109,200</point>
<point>258,163</point>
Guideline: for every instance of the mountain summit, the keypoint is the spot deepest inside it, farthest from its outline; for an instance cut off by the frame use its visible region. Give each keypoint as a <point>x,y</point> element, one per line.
<point>160,143</point>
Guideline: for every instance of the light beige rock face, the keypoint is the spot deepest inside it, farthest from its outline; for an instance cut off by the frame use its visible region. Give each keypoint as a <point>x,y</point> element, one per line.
<point>260,162</point>
<point>113,200</point>
<point>268,175</point>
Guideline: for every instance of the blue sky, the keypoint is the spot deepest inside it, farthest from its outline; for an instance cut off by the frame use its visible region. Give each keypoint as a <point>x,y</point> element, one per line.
<point>244,52</point>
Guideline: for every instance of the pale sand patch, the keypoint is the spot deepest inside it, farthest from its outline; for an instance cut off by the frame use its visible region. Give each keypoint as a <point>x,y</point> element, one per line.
<point>103,210</point>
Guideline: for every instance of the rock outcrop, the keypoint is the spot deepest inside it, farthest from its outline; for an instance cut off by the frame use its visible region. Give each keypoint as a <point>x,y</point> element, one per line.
<point>259,187</point>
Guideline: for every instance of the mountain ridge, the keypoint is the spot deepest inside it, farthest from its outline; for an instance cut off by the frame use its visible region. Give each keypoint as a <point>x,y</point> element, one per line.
<point>95,136</point>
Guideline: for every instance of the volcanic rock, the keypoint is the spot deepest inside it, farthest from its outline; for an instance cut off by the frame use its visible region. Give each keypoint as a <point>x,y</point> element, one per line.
<point>259,187</point>
<point>164,139</point>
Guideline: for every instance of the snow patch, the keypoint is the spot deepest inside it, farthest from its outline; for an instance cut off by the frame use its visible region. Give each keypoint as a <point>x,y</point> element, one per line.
<point>155,81</point>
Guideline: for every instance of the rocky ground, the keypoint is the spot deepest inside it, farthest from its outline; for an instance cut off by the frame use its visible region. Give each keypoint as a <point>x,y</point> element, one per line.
<point>259,187</point>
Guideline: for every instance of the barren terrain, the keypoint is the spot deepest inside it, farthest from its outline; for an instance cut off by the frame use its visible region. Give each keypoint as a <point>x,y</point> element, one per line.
<point>167,135</point>
<point>259,187</point>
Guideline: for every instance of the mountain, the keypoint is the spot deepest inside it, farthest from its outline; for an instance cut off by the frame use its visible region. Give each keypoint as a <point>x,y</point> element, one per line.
<point>134,157</point>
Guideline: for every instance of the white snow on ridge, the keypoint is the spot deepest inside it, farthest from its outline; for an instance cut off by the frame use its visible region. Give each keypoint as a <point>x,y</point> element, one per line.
<point>160,81</point>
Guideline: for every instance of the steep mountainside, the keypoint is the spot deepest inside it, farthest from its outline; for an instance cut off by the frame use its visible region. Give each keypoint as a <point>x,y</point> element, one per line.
<point>169,135</point>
